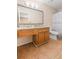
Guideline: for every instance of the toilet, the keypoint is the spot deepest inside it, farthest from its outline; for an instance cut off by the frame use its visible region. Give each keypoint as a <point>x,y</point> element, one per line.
<point>53,35</point>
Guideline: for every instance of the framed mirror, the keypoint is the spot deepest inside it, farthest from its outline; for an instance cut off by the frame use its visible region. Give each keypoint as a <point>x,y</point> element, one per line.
<point>29,16</point>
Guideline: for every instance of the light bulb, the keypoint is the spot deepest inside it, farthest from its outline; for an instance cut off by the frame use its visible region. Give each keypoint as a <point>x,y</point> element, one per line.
<point>27,3</point>
<point>36,6</point>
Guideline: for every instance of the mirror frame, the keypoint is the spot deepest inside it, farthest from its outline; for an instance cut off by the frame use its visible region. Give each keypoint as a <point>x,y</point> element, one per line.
<point>32,9</point>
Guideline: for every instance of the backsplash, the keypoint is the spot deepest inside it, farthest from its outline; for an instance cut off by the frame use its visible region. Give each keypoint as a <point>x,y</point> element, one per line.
<point>29,26</point>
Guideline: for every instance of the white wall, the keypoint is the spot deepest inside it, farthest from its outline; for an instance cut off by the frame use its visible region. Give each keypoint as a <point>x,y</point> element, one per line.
<point>57,22</point>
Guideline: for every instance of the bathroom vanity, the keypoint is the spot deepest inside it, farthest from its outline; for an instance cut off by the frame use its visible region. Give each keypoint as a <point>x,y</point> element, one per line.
<point>40,35</point>
<point>29,16</point>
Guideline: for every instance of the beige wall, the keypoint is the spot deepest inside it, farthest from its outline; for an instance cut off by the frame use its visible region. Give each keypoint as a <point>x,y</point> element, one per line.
<point>48,13</point>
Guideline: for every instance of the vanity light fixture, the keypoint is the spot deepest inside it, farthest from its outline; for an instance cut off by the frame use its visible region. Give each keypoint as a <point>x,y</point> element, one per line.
<point>32,4</point>
<point>28,4</point>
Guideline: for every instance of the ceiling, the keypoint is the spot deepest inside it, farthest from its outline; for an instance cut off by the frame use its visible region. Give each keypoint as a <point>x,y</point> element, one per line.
<point>57,4</point>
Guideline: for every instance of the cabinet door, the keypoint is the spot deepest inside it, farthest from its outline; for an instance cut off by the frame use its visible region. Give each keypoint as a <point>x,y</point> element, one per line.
<point>41,37</point>
<point>46,35</point>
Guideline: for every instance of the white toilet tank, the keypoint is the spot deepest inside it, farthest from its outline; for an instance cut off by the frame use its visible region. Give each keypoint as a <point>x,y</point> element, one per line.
<point>53,35</point>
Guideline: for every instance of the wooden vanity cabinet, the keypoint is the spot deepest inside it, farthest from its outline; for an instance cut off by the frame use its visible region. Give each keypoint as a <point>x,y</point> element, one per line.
<point>24,33</point>
<point>40,35</point>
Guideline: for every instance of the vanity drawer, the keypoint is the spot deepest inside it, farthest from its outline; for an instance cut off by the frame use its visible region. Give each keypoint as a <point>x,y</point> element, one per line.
<point>36,31</point>
<point>43,29</point>
<point>24,33</point>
